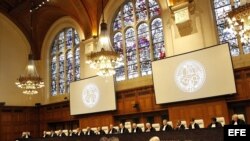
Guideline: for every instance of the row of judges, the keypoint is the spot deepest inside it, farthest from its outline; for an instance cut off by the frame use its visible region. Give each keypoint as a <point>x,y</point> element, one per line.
<point>135,129</point>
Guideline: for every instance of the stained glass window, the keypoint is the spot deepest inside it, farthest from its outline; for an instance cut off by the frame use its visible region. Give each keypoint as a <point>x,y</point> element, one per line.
<point>158,39</point>
<point>118,41</point>
<point>118,22</point>
<point>154,8</point>
<point>128,13</point>
<point>144,50</point>
<point>221,8</point>
<point>61,74</point>
<point>141,10</point>
<point>138,37</point>
<point>53,74</point>
<point>65,61</point>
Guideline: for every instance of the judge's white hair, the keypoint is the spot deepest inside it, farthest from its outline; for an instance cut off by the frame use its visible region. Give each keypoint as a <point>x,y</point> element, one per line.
<point>154,138</point>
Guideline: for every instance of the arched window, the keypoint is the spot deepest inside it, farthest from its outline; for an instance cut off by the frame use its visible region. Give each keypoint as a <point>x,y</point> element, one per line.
<point>65,61</point>
<point>221,8</point>
<point>138,36</point>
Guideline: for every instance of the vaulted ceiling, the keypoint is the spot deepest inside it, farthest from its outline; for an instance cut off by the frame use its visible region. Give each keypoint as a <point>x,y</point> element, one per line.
<point>86,12</point>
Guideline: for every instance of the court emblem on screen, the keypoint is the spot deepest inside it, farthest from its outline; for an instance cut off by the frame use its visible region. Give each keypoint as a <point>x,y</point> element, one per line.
<point>190,76</point>
<point>90,95</point>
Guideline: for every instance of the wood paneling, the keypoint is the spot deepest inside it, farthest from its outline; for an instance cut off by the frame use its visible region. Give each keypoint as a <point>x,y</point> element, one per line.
<point>96,120</point>
<point>15,120</point>
<point>200,110</point>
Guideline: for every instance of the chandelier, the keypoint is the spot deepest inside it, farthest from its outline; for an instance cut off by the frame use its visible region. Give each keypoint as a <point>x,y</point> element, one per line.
<point>30,81</point>
<point>238,23</point>
<point>104,59</point>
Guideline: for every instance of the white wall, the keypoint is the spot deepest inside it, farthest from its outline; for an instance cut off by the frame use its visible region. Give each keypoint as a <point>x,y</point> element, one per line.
<point>14,49</point>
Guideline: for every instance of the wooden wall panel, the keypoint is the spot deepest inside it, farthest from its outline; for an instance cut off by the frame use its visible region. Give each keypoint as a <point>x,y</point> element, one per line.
<point>15,120</point>
<point>248,114</point>
<point>96,120</point>
<point>199,110</point>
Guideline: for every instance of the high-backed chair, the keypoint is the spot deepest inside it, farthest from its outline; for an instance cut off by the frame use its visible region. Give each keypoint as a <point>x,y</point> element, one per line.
<point>157,126</point>
<point>116,127</point>
<point>241,116</point>
<point>94,129</point>
<point>84,130</point>
<point>57,131</point>
<point>142,126</point>
<point>128,126</point>
<point>48,133</point>
<point>184,122</point>
<point>200,122</point>
<point>66,132</point>
<point>105,129</point>
<point>170,123</point>
<point>221,120</point>
<point>74,131</point>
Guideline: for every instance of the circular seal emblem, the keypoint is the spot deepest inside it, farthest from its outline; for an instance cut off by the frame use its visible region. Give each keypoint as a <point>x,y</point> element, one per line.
<point>90,95</point>
<point>190,76</point>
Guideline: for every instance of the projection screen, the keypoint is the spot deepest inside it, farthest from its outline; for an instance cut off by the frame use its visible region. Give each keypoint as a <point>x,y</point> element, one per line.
<point>200,74</point>
<point>91,95</point>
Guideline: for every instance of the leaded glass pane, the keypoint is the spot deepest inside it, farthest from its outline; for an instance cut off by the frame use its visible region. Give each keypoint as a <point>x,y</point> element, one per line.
<point>69,67</point>
<point>53,76</point>
<point>220,3</point>
<point>120,74</point>
<point>77,39</point>
<point>61,41</point>
<point>144,54</point>
<point>77,63</point>
<point>130,40</point>
<point>54,47</point>
<point>156,23</point>
<point>141,10</point>
<point>61,63</point>
<point>221,9</point>
<point>53,88</point>
<point>143,39</point>
<point>53,65</point>
<point>118,22</point>
<point>132,71</point>
<point>131,57</point>
<point>152,3</point>
<point>246,47</point>
<point>128,12</point>
<point>61,83</point>
<point>118,42</point>
<point>61,74</point>
<point>130,33</point>
<point>159,51</point>
<point>69,37</point>
<point>158,39</point>
<point>146,68</point>
<point>143,35</point>
<point>130,44</point>
<point>154,8</point>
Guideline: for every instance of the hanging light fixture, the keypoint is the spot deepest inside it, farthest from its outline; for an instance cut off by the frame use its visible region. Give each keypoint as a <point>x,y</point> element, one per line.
<point>30,81</point>
<point>104,59</point>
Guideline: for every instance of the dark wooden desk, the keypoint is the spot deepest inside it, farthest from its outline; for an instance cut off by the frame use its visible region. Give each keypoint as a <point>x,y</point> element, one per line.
<point>187,135</point>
